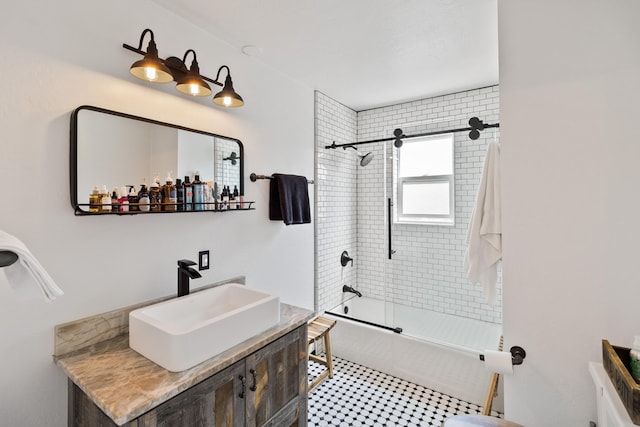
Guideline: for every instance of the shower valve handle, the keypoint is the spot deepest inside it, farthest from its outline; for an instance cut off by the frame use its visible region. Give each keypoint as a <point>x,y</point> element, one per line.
<point>345,259</point>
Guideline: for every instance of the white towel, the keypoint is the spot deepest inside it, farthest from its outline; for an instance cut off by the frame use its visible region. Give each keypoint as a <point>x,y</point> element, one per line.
<point>484,237</point>
<point>27,268</point>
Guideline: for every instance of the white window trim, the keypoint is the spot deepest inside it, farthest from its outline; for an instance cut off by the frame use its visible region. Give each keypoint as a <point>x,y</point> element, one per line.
<point>446,220</point>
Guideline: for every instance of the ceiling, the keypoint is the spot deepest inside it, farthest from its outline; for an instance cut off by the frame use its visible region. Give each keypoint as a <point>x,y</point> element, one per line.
<point>362,53</point>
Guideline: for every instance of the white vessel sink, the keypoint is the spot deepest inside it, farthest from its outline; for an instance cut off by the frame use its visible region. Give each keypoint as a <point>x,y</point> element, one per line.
<point>183,332</point>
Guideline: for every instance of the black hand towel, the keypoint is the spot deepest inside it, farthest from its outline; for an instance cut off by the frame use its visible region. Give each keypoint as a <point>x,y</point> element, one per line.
<point>289,199</point>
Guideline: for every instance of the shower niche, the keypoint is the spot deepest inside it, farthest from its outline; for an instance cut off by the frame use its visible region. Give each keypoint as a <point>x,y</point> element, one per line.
<point>114,149</point>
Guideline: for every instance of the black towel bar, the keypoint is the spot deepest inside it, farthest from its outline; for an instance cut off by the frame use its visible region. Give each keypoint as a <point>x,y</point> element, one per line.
<point>254,177</point>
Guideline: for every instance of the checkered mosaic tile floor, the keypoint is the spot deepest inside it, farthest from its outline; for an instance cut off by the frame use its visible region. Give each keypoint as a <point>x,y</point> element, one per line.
<point>360,396</point>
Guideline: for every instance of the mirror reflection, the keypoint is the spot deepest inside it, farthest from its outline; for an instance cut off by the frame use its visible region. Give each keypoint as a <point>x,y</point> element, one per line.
<point>115,150</point>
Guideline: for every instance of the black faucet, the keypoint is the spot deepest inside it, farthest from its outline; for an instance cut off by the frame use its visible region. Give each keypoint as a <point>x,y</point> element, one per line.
<point>184,273</point>
<point>346,288</point>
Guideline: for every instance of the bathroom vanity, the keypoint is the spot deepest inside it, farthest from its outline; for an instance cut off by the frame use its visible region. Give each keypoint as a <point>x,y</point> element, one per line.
<point>260,382</point>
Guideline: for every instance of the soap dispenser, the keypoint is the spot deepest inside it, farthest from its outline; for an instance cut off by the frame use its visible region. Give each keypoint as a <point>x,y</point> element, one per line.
<point>155,197</point>
<point>169,197</point>
<point>143,198</point>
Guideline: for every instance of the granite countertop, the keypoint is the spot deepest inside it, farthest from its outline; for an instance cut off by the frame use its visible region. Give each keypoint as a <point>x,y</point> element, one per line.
<point>125,385</point>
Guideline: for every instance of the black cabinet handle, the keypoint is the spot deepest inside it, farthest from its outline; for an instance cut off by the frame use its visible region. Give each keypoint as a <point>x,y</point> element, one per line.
<point>241,378</point>
<point>254,387</point>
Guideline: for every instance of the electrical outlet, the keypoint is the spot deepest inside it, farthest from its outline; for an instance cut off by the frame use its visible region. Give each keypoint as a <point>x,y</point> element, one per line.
<point>203,260</point>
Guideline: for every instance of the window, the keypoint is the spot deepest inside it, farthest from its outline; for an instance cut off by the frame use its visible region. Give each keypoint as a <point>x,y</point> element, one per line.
<point>425,180</point>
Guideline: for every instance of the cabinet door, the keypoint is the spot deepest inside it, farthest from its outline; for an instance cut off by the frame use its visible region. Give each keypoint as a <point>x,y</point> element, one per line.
<point>277,382</point>
<point>215,402</point>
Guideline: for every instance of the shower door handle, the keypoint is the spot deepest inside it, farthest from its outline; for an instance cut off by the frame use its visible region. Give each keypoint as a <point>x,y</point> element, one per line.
<point>389,220</point>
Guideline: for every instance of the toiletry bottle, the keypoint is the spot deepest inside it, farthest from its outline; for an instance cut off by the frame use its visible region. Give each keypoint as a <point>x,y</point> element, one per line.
<point>232,200</point>
<point>169,197</point>
<point>105,199</point>
<point>208,196</point>
<point>634,358</point>
<point>133,199</point>
<point>143,199</point>
<point>173,195</point>
<point>236,196</point>
<point>225,197</point>
<point>198,193</point>
<point>179,194</point>
<point>115,204</point>
<point>155,197</point>
<point>123,200</point>
<point>222,195</point>
<point>216,197</point>
<point>188,194</point>
<point>94,200</point>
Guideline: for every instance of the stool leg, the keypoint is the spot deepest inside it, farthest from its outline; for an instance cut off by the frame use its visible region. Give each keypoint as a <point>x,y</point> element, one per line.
<point>328,357</point>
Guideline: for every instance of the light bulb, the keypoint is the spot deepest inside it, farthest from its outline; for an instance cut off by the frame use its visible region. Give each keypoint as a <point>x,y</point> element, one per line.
<point>151,73</point>
<point>194,89</point>
<point>227,101</point>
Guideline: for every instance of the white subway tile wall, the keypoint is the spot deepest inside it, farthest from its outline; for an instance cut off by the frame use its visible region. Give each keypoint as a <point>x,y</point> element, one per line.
<point>336,209</point>
<point>427,268</point>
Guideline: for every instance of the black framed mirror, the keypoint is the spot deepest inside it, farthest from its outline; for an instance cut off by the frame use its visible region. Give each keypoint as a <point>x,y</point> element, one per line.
<point>114,149</point>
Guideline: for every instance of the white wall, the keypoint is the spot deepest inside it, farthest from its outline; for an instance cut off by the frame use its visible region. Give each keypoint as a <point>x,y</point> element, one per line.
<point>59,55</point>
<point>569,86</point>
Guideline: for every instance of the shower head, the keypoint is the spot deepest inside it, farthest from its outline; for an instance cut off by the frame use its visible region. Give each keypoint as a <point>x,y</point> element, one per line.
<point>365,159</point>
<point>233,157</point>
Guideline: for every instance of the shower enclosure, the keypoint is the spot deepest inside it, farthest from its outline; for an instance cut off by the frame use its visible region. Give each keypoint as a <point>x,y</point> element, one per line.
<point>408,267</point>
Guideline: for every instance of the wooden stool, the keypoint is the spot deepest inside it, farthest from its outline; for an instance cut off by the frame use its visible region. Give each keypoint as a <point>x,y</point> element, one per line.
<point>316,329</point>
<point>477,421</point>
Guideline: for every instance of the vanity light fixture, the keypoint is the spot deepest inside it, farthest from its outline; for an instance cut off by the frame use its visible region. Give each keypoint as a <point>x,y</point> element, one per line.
<point>192,84</point>
<point>227,97</point>
<point>188,80</point>
<point>150,68</point>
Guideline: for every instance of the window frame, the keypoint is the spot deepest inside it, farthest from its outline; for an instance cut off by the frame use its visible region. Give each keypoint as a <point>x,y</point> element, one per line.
<point>427,219</point>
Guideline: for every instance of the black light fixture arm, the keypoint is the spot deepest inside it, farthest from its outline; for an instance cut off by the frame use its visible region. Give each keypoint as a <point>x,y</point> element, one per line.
<point>137,50</point>
<point>152,42</point>
<point>475,126</point>
<point>184,58</point>
<point>220,69</point>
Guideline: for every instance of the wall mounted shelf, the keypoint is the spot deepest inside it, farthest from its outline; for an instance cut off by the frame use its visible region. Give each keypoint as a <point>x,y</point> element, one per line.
<point>248,206</point>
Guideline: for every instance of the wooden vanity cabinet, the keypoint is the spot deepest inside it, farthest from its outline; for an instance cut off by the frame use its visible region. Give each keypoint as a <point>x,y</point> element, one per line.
<point>267,388</point>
